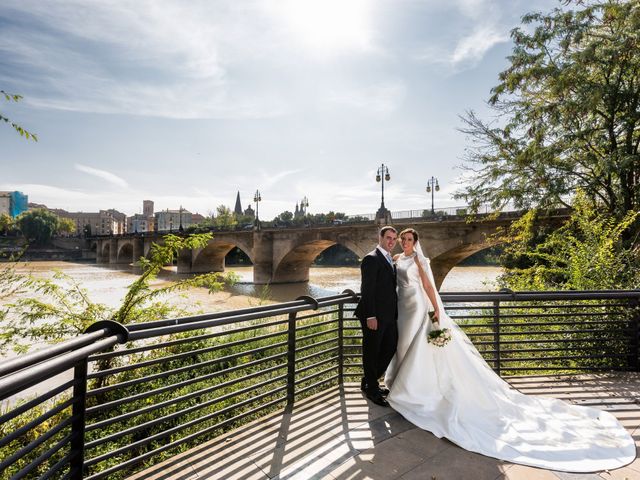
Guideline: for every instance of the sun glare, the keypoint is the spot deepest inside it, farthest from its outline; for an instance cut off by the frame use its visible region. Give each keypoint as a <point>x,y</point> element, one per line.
<point>329,25</point>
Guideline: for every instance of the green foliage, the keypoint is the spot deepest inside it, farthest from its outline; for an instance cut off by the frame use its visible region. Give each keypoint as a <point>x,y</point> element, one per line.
<point>38,225</point>
<point>6,223</point>
<point>224,217</point>
<point>66,226</point>
<point>56,309</point>
<point>12,97</point>
<point>586,253</point>
<point>567,110</point>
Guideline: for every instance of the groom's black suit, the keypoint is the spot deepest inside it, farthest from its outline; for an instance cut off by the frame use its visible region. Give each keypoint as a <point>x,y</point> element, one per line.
<point>379,299</point>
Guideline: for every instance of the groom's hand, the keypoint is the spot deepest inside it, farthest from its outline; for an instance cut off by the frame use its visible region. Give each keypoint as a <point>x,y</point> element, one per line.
<point>372,323</point>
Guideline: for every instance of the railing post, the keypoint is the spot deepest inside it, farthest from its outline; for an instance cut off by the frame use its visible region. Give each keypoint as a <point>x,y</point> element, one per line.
<point>341,344</point>
<point>291,359</point>
<point>78,412</point>
<point>496,334</point>
<point>634,305</point>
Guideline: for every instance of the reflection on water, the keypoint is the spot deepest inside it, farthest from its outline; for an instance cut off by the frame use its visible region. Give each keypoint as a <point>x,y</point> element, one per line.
<point>108,284</point>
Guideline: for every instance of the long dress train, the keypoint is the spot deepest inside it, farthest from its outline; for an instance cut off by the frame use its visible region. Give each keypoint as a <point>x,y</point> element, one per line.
<point>453,393</point>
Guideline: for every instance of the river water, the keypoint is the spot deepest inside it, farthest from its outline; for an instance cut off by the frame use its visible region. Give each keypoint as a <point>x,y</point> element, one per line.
<point>106,284</point>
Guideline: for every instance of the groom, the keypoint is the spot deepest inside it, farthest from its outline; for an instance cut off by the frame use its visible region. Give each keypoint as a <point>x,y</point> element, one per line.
<point>378,314</point>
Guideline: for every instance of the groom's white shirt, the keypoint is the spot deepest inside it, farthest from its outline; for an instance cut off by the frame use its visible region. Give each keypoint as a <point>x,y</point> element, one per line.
<point>386,254</point>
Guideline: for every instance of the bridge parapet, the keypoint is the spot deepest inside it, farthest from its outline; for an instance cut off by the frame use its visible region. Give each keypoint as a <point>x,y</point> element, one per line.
<point>284,255</point>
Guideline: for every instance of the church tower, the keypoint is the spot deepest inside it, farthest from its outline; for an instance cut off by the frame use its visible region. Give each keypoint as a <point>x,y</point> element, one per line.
<point>238,208</point>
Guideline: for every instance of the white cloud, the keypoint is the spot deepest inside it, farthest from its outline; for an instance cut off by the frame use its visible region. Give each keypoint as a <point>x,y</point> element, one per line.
<point>472,48</point>
<point>103,174</point>
<point>144,57</point>
<point>478,26</point>
<point>39,193</point>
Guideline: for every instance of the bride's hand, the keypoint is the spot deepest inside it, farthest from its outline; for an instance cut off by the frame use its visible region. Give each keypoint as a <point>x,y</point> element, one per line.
<point>436,316</point>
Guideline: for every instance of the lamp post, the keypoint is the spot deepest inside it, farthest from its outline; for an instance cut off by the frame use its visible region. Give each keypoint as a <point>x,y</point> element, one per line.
<point>432,186</point>
<point>181,228</point>
<point>257,198</point>
<point>383,216</point>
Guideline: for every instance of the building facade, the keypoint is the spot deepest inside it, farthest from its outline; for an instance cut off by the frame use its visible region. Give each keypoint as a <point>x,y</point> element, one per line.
<point>13,203</point>
<point>140,223</point>
<point>171,220</point>
<point>104,222</point>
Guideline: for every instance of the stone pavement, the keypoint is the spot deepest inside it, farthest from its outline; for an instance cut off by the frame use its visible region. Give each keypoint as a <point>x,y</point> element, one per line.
<point>338,434</point>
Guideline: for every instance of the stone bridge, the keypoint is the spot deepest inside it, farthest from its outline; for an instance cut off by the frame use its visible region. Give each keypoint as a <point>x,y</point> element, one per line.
<point>285,255</point>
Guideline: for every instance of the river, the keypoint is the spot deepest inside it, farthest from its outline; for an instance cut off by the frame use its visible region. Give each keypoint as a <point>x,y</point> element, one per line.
<point>106,284</point>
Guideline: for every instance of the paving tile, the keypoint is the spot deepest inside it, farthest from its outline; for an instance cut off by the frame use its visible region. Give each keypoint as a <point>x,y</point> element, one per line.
<point>339,434</point>
<point>365,435</point>
<point>522,472</point>
<point>577,476</point>
<point>424,443</point>
<point>312,441</point>
<point>624,473</point>
<point>456,463</point>
<point>169,470</point>
<point>243,471</point>
<point>388,459</point>
<point>319,463</point>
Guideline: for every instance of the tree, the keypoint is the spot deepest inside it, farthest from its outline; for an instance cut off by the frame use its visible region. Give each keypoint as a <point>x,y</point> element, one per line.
<point>38,225</point>
<point>6,223</point>
<point>66,226</point>
<point>586,253</point>
<point>568,109</point>
<point>45,310</point>
<point>12,97</point>
<point>224,217</point>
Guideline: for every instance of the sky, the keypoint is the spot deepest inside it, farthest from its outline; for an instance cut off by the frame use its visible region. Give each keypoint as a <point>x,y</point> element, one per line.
<point>187,103</point>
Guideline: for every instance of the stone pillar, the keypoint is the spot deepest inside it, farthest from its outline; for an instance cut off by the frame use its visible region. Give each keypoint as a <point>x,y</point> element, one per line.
<point>184,260</point>
<point>99,256</point>
<point>113,250</point>
<point>440,270</point>
<point>262,257</point>
<point>147,246</point>
<point>138,249</point>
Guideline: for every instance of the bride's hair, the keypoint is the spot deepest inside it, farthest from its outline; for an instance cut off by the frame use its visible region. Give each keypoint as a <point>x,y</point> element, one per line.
<point>412,231</point>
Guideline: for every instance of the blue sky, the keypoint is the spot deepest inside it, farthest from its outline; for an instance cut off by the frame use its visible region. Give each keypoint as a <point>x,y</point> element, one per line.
<point>185,103</point>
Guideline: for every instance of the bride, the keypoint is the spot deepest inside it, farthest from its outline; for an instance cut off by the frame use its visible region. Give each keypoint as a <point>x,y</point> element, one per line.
<point>453,393</point>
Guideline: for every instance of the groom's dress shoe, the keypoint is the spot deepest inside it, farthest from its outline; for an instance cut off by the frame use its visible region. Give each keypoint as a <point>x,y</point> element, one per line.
<point>383,391</point>
<point>377,398</point>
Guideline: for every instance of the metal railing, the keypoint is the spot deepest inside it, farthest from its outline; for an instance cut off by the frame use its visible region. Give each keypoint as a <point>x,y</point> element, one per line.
<point>116,399</point>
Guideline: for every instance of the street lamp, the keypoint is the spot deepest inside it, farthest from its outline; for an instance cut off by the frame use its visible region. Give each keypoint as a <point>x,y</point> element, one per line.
<point>381,176</point>
<point>304,203</point>
<point>257,198</point>
<point>181,229</point>
<point>432,186</point>
<point>383,216</point>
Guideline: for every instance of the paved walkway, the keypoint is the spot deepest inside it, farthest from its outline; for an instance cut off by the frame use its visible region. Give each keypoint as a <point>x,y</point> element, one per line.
<point>340,435</point>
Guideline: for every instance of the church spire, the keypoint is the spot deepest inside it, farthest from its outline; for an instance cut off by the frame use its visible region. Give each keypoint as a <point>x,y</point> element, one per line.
<point>238,208</point>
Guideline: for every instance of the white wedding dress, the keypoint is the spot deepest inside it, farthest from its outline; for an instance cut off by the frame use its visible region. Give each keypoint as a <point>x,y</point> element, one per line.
<point>453,393</point>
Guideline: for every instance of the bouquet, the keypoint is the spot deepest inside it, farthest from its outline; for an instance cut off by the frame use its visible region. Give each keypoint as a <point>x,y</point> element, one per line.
<point>438,336</point>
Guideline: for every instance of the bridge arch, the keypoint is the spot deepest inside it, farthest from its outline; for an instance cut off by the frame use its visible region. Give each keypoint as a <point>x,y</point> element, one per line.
<point>125,253</point>
<point>442,264</point>
<point>294,265</point>
<point>211,258</point>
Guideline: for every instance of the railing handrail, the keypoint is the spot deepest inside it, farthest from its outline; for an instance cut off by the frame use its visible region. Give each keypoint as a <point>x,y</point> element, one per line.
<point>539,295</point>
<point>39,364</point>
